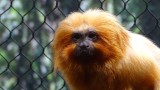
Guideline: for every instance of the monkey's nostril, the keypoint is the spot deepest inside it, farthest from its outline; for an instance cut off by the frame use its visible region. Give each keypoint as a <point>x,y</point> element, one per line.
<point>83,45</point>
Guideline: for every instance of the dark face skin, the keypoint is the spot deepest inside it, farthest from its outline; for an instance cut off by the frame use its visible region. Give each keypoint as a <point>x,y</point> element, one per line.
<point>84,47</point>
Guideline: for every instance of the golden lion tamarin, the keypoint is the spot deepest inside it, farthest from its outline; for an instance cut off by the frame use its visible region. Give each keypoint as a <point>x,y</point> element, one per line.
<point>94,52</point>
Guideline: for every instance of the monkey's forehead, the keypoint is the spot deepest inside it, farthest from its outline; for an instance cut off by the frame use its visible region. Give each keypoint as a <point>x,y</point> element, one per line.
<point>90,18</point>
<point>91,15</point>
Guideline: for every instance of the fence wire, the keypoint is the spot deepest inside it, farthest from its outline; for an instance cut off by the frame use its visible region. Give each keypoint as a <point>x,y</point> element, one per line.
<point>27,29</point>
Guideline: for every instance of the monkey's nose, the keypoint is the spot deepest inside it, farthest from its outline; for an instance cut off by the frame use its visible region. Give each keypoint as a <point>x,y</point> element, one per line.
<point>83,45</point>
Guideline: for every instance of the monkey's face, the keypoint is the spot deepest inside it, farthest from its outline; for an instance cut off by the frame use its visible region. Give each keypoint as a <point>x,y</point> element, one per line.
<point>78,44</point>
<point>88,37</point>
<point>84,44</point>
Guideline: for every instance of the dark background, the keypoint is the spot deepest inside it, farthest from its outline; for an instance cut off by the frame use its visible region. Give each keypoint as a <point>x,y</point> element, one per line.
<point>27,29</point>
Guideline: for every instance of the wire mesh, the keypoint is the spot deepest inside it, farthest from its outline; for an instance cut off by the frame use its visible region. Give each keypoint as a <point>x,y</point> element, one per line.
<point>27,29</point>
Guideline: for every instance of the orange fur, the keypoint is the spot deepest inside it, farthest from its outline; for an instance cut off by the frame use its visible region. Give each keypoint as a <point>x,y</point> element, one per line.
<point>125,61</point>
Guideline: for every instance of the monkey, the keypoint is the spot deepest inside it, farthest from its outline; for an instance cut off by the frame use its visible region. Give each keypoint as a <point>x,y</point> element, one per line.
<point>93,51</point>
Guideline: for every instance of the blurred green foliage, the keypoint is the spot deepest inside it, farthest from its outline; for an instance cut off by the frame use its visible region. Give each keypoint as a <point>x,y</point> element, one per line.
<point>27,29</point>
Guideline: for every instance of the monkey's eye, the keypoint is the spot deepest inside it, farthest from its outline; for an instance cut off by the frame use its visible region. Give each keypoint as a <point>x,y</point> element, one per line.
<point>76,37</point>
<point>92,35</point>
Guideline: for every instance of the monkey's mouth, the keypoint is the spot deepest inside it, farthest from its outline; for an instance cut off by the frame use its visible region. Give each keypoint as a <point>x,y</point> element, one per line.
<point>84,54</point>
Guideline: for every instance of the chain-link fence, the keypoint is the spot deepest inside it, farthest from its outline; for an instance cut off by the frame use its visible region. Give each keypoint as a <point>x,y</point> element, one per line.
<point>27,29</point>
